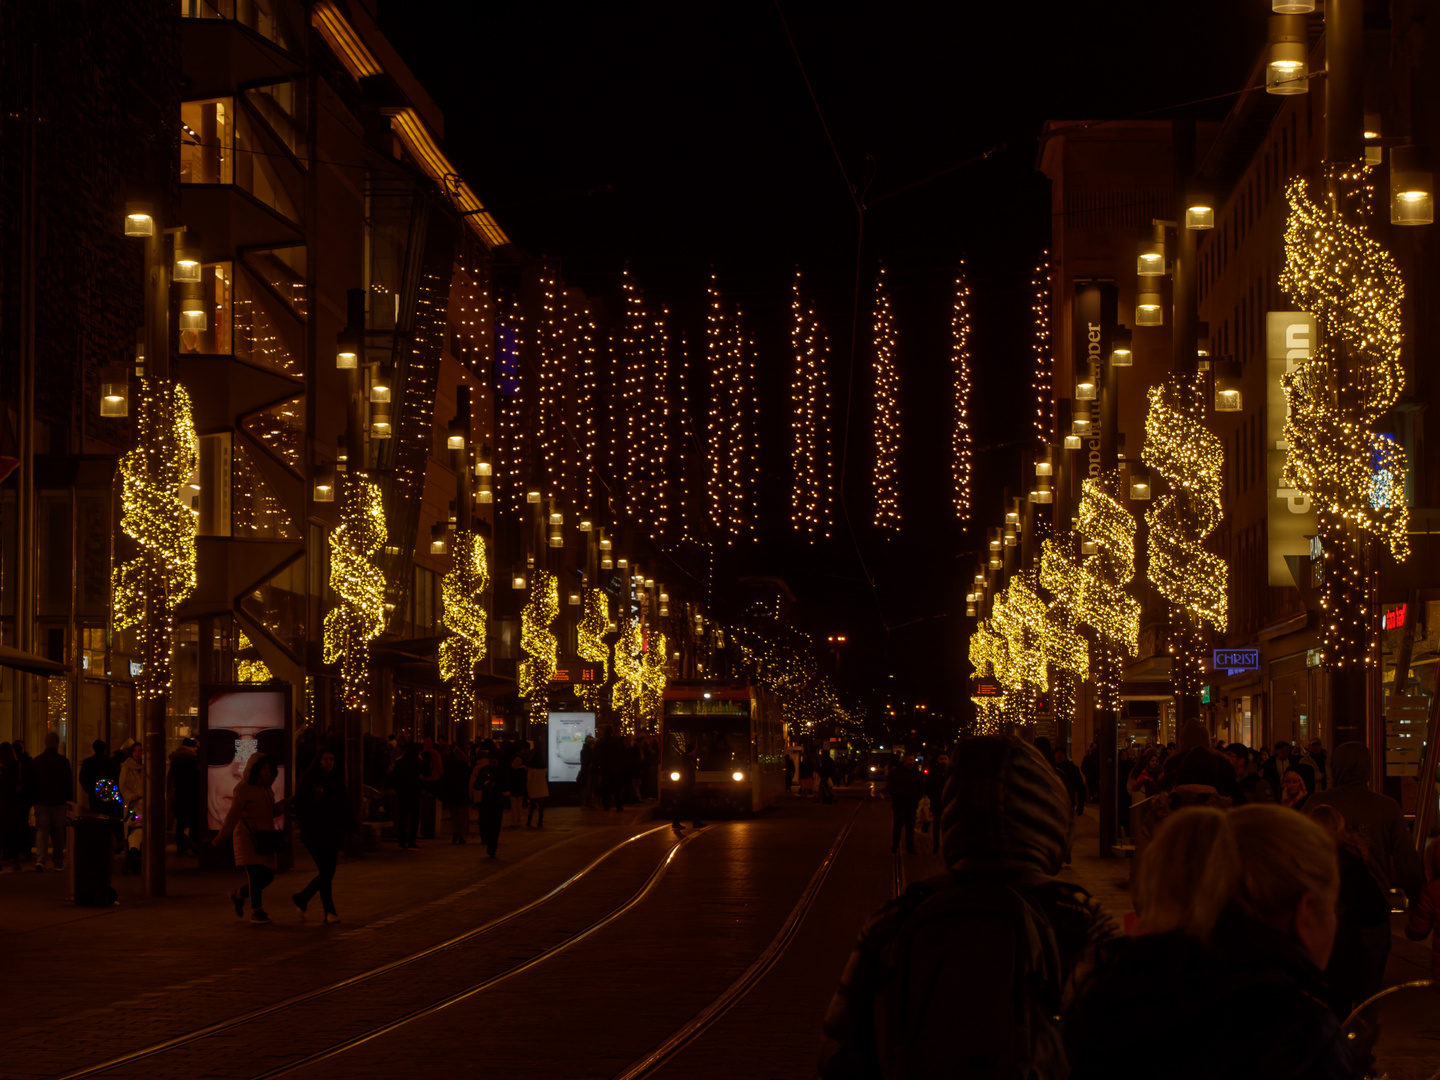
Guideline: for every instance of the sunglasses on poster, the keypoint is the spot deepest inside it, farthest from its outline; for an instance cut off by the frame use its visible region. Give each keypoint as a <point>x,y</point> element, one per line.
<point>222,746</point>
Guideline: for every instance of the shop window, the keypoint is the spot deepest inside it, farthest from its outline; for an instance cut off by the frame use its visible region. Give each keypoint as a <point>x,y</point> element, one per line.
<point>92,650</point>
<point>219,145</point>
<point>217,292</point>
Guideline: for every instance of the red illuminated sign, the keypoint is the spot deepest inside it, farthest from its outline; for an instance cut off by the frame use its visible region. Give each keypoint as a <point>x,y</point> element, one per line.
<point>1394,619</point>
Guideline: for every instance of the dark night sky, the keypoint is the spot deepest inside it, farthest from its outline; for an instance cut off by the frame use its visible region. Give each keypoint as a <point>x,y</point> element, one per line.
<point>680,137</point>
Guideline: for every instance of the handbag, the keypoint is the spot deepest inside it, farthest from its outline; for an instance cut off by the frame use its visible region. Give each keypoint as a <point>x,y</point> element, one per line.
<point>266,841</point>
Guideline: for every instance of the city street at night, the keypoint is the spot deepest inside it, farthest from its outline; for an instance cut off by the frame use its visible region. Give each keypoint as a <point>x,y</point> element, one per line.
<point>779,540</point>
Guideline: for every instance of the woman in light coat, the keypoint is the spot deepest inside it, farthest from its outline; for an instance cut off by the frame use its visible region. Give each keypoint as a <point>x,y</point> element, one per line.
<point>132,791</point>
<point>537,790</point>
<point>253,810</point>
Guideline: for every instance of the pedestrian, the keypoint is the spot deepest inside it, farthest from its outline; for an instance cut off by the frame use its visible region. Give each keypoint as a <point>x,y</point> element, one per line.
<point>250,827</point>
<point>1248,980</point>
<point>1424,918</point>
<point>1124,766</point>
<point>935,792</point>
<point>1357,963</point>
<point>183,790</point>
<point>903,787</point>
<point>1250,786</point>
<point>610,758</point>
<point>132,793</point>
<point>682,774</point>
<point>322,806</point>
<point>487,792</point>
<point>963,975</point>
<point>1294,792</point>
<point>537,791</point>
<point>455,789</point>
<point>1072,778</point>
<point>587,776</point>
<point>789,772</point>
<point>517,782</point>
<point>98,766</point>
<point>12,808</point>
<point>54,791</point>
<point>405,779</point>
<point>1090,770</point>
<point>1280,761</point>
<point>826,770</point>
<point>1199,775</point>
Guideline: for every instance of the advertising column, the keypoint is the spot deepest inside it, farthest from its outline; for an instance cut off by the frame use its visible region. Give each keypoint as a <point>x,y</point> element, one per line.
<point>1289,517</point>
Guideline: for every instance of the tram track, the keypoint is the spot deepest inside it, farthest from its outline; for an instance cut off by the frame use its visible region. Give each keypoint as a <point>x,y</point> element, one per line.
<point>732,995</point>
<point>231,1023</point>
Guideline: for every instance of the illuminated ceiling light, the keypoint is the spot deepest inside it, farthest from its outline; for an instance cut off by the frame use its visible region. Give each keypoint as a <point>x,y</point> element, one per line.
<point>1121,354</point>
<point>1412,186</point>
<point>187,264</point>
<point>139,219</point>
<point>1149,310</point>
<point>380,387</point>
<point>115,390</point>
<point>457,433</point>
<point>325,483</point>
<point>1227,387</point>
<point>1287,70</point>
<point>1292,7</point>
<point>1085,388</point>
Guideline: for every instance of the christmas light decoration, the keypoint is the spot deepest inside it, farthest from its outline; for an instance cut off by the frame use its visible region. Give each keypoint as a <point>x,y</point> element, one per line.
<point>151,585</point>
<point>887,412</point>
<point>465,618</point>
<point>590,644</point>
<point>534,672</point>
<point>1044,349</point>
<point>654,676</point>
<point>1017,615</point>
<point>644,373</point>
<point>358,581</point>
<point>1192,461</point>
<point>251,671</point>
<point>1353,474</point>
<point>811,491</point>
<point>961,444</point>
<point>627,687</point>
<point>732,431</point>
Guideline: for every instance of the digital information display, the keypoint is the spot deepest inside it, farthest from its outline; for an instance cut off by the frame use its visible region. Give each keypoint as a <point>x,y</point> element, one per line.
<point>568,732</point>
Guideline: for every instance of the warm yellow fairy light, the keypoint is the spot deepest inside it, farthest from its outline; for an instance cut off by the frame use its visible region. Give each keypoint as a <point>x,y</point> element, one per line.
<point>1017,615</point>
<point>732,430</point>
<point>654,675</point>
<point>627,692</point>
<point>961,443</point>
<point>1043,346</point>
<point>1192,460</point>
<point>1353,475</point>
<point>887,412</point>
<point>590,642</point>
<point>359,615</point>
<point>534,672</point>
<point>812,483</point>
<point>246,670</point>
<point>464,616</point>
<point>151,585</point>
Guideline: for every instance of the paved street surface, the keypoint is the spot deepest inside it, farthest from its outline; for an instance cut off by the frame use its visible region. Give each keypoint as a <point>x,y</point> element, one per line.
<point>87,985</point>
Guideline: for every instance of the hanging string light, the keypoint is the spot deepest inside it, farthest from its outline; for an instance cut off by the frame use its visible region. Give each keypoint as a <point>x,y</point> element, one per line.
<point>732,442</point>
<point>246,669</point>
<point>1353,474</point>
<point>812,482</point>
<point>150,586</point>
<point>654,676</point>
<point>1044,352</point>
<point>359,615</point>
<point>961,443</point>
<point>627,686</point>
<point>887,412</point>
<point>534,672</point>
<point>462,614</point>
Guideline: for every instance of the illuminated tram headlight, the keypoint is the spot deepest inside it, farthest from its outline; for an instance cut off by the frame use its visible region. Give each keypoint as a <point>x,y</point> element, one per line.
<point>738,775</point>
<point>675,776</point>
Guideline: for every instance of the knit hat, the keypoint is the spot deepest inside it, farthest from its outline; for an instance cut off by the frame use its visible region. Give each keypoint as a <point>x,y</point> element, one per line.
<point>1004,802</point>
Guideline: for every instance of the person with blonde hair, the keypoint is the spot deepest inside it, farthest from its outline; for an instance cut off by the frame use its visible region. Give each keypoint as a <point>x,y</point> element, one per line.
<point>1237,921</point>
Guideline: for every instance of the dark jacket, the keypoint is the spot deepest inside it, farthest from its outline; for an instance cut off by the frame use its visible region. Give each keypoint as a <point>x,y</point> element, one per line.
<point>93,769</point>
<point>904,785</point>
<point>405,775</point>
<point>322,804</point>
<point>1377,818</point>
<point>1251,1006</point>
<point>487,790</point>
<point>54,784</point>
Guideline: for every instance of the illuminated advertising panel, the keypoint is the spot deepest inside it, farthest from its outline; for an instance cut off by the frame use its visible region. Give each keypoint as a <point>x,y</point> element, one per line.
<point>236,723</point>
<point>568,732</point>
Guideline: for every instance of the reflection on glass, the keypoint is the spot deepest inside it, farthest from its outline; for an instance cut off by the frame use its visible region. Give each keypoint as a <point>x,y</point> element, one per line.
<point>282,105</point>
<point>218,146</point>
<point>215,286</point>
<point>281,430</point>
<point>264,332</point>
<point>283,269</point>
<point>256,514</point>
<point>279,606</point>
<point>716,743</point>
<point>258,15</point>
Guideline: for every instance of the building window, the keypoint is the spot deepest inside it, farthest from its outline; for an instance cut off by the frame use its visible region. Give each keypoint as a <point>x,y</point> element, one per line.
<point>218,145</point>
<point>258,15</point>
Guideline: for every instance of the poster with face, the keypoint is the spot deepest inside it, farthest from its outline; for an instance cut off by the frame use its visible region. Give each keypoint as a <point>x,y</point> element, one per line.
<point>238,724</point>
<point>568,732</point>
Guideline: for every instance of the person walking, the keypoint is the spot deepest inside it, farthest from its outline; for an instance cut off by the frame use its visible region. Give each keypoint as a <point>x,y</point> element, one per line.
<point>682,774</point>
<point>322,806</point>
<point>183,789</point>
<point>935,792</point>
<point>250,827</point>
<point>537,791</point>
<point>826,769</point>
<point>54,791</point>
<point>487,792</point>
<point>1356,970</point>
<point>963,975</point>
<point>789,772</point>
<point>588,770</point>
<point>807,773</point>
<point>517,782</point>
<point>610,758</point>
<point>1072,778</point>
<point>98,766</point>
<point>405,777</point>
<point>903,787</point>
<point>132,794</point>
<point>455,789</point>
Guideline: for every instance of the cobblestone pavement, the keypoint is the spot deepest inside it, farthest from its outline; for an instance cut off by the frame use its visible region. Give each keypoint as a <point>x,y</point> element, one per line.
<point>99,983</point>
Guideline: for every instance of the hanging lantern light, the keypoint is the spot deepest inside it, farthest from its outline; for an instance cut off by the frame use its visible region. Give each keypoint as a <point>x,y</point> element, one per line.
<point>438,533</point>
<point>1412,186</point>
<point>1227,387</point>
<point>1202,346</point>
<point>346,358</point>
<point>1009,538</point>
<point>1150,251</point>
<point>380,420</point>
<point>1199,207</point>
<point>517,578</point>
<point>380,386</point>
<point>1292,7</point>
<point>1081,425</point>
<point>1044,462</point>
<point>1287,70</point>
<point>192,311</point>
<point>586,526</point>
<point>1088,546</point>
<point>139,218</point>
<point>1121,354</point>
<point>1072,441</point>
<point>606,562</point>
<point>1374,153</point>
<point>1149,309</point>
<point>456,434</point>
<point>532,495</point>
<point>115,390</point>
<point>325,482</point>
<point>970,609</point>
<point>1139,483</point>
<point>1041,492</point>
<point>573,599</point>
<point>187,260</point>
<point>1085,388</point>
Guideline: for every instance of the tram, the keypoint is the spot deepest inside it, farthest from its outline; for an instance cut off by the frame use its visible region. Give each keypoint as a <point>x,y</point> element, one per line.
<point>734,735</point>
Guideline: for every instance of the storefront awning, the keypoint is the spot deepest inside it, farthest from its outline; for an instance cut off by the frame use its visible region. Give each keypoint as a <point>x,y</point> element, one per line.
<point>29,662</point>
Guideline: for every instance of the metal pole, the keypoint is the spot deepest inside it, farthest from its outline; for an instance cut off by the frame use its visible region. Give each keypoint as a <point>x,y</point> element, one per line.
<point>156,704</point>
<point>351,720</point>
<point>25,516</point>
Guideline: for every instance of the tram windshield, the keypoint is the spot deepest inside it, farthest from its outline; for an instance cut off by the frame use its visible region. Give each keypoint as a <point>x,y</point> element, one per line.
<point>718,743</point>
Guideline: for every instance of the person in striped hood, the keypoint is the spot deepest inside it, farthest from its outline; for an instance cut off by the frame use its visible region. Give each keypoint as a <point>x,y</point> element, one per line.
<point>964,974</point>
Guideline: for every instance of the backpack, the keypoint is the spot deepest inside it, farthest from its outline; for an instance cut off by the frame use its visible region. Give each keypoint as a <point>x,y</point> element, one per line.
<point>946,933</point>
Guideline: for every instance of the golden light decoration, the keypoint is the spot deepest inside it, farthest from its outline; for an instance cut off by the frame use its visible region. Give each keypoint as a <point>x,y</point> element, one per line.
<point>732,430</point>
<point>1017,615</point>
<point>961,442</point>
<point>1044,349</point>
<point>1105,604</point>
<point>1353,474</point>
<point>465,618</point>
<point>1192,460</point>
<point>887,412</point>
<point>811,491</point>
<point>534,672</point>
<point>644,376</point>
<point>590,642</point>
<point>627,686</point>
<point>149,586</point>
<point>249,671</point>
<point>358,581</point>
<point>654,675</point>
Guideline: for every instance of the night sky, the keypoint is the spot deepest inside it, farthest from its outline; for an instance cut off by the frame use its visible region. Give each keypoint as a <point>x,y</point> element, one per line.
<point>678,138</point>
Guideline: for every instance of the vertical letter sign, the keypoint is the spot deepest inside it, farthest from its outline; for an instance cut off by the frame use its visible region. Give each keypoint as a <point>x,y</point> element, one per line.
<point>1290,519</point>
